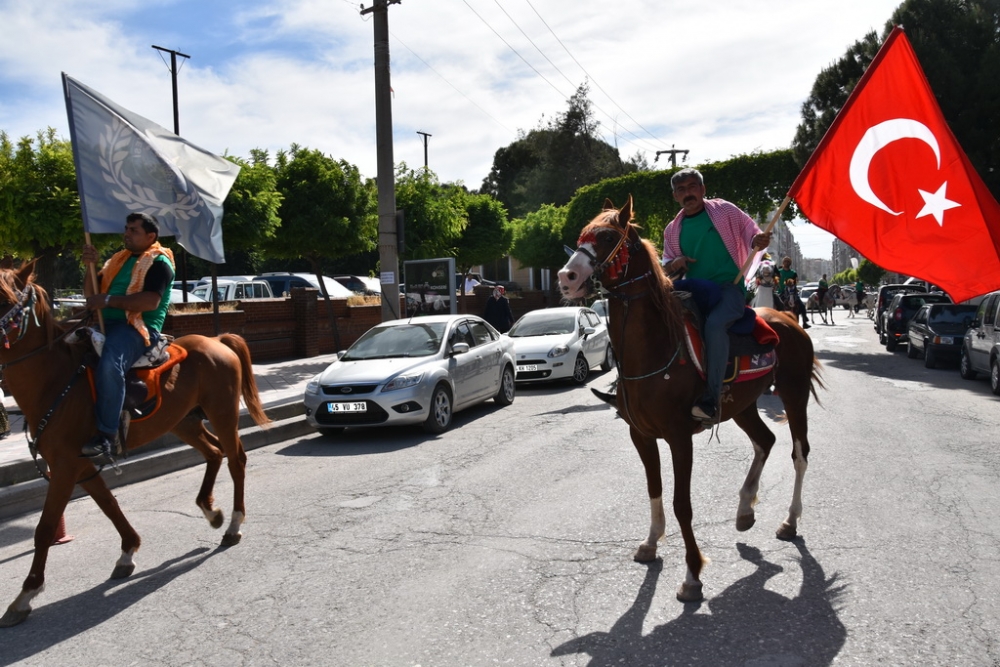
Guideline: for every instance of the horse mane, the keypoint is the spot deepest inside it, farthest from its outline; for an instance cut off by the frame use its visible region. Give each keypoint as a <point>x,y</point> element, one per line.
<point>664,297</point>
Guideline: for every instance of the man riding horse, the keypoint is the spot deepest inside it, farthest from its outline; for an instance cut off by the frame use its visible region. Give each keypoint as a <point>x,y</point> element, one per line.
<point>134,295</point>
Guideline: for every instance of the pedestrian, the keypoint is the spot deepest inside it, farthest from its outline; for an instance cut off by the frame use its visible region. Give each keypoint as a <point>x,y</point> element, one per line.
<point>498,312</point>
<point>134,295</point>
<point>710,239</point>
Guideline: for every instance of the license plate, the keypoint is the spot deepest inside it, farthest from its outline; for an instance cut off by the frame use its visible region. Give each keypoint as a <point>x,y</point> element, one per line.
<point>526,369</point>
<point>946,340</point>
<point>347,407</point>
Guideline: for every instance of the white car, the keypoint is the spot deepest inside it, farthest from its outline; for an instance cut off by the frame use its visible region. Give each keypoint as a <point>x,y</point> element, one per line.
<point>415,371</point>
<point>559,344</point>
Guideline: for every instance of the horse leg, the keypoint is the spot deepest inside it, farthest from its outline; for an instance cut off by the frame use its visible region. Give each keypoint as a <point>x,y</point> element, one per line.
<point>101,494</point>
<point>649,454</point>
<point>795,409</point>
<point>56,498</point>
<point>225,420</point>
<point>192,430</point>
<point>682,455</point>
<point>762,440</point>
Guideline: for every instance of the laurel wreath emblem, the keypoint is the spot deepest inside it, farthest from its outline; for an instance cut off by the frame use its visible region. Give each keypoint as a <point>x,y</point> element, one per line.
<point>113,150</point>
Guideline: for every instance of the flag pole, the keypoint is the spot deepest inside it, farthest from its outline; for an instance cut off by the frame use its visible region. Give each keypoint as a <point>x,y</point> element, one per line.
<point>767,230</point>
<point>92,274</point>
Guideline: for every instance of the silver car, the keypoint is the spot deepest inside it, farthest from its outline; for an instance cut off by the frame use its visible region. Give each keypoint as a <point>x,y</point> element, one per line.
<point>415,371</point>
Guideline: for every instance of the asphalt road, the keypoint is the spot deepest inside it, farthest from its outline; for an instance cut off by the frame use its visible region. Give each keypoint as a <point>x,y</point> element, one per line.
<point>508,540</point>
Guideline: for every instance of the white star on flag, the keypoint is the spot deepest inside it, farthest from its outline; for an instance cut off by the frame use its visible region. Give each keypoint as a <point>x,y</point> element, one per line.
<point>936,204</point>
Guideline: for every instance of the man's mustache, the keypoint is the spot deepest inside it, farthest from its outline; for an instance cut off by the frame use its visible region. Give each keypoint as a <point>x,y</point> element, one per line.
<point>690,198</point>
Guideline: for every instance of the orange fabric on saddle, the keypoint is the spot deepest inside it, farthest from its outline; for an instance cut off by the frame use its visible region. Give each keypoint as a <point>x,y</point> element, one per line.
<point>151,376</point>
<point>740,369</point>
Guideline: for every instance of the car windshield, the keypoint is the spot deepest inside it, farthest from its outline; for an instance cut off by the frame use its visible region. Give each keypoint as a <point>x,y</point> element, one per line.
<point>954,318</point>
<point>547,324</point>
<point>405,340</point>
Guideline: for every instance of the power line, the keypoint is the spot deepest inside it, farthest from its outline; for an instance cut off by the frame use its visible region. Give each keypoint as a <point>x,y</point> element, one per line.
<point>638,124</point>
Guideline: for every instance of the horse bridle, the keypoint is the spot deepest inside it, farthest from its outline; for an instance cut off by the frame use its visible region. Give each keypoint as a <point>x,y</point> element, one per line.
<point>617,261</point>
<point>13,319</point>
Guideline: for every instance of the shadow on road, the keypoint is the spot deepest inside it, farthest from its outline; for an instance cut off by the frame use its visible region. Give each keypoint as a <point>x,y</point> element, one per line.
<point>748,624</point>
<point>60,621</point>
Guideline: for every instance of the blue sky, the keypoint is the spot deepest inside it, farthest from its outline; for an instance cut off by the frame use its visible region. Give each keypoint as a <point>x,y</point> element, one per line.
<point>721,79</point>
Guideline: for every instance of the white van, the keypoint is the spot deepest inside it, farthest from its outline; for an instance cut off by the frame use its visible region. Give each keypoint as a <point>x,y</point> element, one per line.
<point>234,290</point>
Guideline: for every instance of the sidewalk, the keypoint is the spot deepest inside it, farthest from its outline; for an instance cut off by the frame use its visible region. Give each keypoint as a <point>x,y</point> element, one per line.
<point>281,385</point>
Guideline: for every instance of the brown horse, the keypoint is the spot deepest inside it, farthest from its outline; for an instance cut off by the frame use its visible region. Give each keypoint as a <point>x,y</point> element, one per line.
<point>658,385</point>
<point>40,369</point>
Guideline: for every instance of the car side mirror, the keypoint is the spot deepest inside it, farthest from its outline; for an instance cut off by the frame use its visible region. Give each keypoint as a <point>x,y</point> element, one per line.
<point>459,348</point>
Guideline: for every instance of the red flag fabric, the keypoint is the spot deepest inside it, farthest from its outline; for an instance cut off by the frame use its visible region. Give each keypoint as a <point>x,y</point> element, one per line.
<point>890,180</point>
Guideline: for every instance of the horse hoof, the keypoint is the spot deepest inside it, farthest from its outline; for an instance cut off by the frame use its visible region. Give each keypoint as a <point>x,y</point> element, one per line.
<point>645,554</point>
<point>746,522</point>
<point>13,617</point>
<point>123,571</point>
<point>690,593</point>
<point>231,539</point>
<point>786,532</point>
<point>218,518</point>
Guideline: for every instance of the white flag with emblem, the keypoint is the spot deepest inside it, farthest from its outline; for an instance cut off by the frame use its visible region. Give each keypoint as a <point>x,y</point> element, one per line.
<point>128,164</point>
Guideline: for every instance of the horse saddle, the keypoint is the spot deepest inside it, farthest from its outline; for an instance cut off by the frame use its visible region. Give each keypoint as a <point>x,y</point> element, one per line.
<point>142,382</point>
<point>751,339</point>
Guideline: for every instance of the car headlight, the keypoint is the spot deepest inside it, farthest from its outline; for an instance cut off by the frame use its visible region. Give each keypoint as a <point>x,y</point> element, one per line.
<point>403,381</point>
<point>313,386</point>
<point>558,351</point>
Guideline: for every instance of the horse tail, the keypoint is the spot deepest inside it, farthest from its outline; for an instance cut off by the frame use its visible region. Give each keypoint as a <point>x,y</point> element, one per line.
<point>249,387</point>
<point>816,380</point>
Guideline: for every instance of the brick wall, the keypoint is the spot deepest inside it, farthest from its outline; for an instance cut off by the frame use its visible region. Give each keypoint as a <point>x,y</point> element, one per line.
<point>298,326</point>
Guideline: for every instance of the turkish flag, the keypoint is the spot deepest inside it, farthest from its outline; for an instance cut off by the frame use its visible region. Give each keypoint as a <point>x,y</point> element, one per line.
<point>890,180</point>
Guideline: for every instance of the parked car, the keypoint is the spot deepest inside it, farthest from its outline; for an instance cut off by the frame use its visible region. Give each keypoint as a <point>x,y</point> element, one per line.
<point>283,282</point>
<point>896,317</point>
<point>981,345</point>
<point>601,308</point>
<point>177,296</point>
<point>560,343</point>
<point>885,294</point>
<point>413,372</point>
<point>937,332</point>
<point>233,290</point>
<point>360,284</point>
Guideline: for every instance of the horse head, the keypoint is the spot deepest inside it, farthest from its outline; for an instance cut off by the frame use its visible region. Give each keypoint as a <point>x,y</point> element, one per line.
<point>610,250</point>
<point>19,298</point>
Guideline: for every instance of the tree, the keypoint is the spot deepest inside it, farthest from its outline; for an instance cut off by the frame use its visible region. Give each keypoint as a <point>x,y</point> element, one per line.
<point>435,218</point>
<point>326,210</point>
<point>39,205</point>
<point>958,45</point>
<point>488,236</point>
<point>550,163</point>
<point>538,238</point>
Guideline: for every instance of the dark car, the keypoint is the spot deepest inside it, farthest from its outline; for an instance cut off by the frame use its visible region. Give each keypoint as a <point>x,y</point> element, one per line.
<point>901,310</point>
<point>937,332</point>
<point>981,347</point>
<point>885,294</point>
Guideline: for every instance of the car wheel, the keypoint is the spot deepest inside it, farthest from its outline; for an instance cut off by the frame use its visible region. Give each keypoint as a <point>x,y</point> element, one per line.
<point>965,367</point>
<point>439,419</point>
<point>331,431</point>
<point>505,396</point>
<point>911,350</point>
<point>609,359</point>
<point>995,376</point>
<point>581,369</point>
<point>930,360</point>
<point>890,343</point>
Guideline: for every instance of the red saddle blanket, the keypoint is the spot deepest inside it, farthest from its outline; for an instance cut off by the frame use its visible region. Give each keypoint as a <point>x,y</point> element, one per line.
<point>151,377</point>
<point>742,368</point>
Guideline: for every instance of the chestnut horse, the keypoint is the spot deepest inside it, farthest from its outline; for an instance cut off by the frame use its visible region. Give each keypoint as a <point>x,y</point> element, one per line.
<point>657,385</point>
<point>40,369</point>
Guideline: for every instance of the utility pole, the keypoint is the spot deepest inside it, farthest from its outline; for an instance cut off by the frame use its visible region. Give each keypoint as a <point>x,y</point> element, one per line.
<point>425,135</point>
<point>387,250</point>
<point>177,131</point>
<point>673,155</point>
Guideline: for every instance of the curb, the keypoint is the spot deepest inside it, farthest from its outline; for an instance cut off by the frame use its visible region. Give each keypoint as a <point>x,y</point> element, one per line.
<point>26,493</point>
